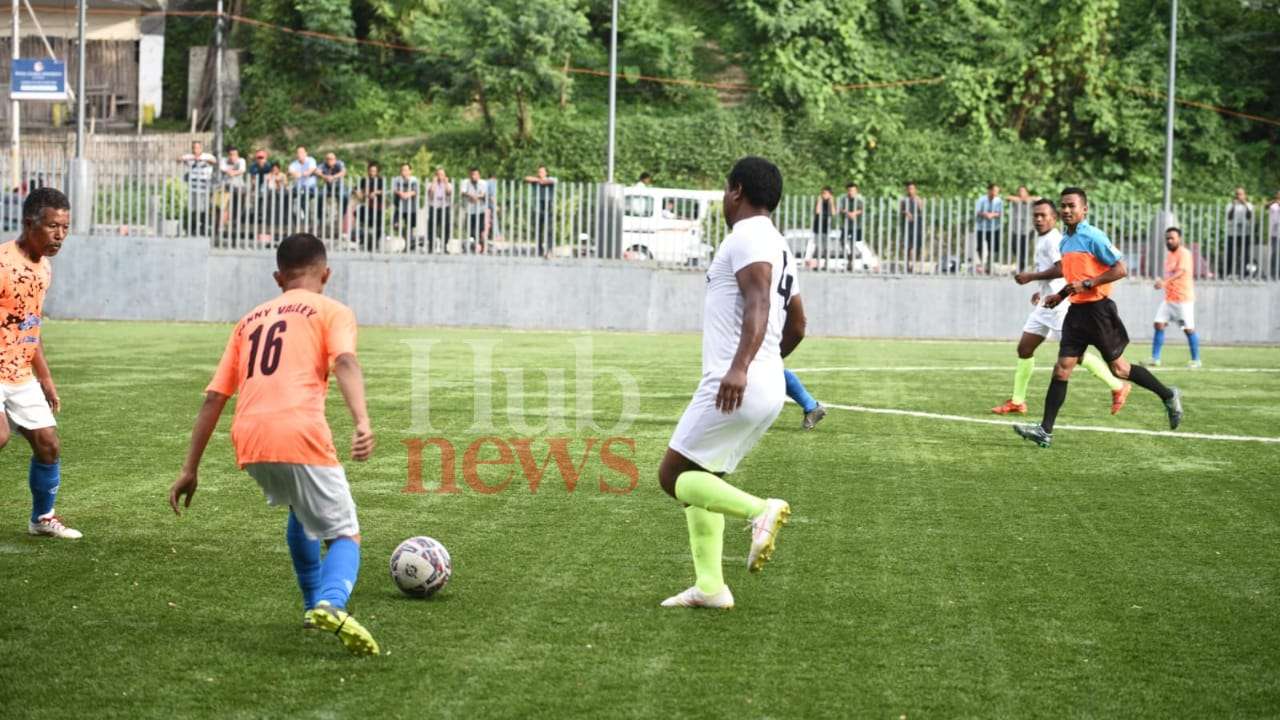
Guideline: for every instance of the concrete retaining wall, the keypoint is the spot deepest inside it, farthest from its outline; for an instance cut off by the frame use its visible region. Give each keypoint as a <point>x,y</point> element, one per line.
<point>176,279</point>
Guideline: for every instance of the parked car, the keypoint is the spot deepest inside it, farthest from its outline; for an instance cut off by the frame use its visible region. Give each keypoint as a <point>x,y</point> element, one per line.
<point>666,224</point>
<point>804,245</point>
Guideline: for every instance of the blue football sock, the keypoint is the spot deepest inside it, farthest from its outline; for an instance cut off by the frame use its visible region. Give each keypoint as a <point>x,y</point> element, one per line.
<point>306,560</point>
<point>1194,340</point>
<point>43,479</point>
<point>1157,344</point>
<point>796,391</point>
<point>338,572</point>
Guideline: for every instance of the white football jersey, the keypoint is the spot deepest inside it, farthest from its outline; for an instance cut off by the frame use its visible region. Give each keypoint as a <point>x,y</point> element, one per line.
<point>752,240</point>
<point>1049,253</point>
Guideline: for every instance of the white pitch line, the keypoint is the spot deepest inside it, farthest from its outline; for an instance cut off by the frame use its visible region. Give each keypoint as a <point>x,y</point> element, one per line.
<point>1088,428</point>
<point>985,368</point>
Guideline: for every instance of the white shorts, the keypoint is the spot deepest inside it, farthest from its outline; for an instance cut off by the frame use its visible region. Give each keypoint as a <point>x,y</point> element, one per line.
<point>27,406</point>
<point>1182,313</point>
<point>1046,322</point>
<point>319,495</point>
<point>717,442</point>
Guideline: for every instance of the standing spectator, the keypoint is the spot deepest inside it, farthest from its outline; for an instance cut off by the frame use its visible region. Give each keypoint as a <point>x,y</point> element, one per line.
<point>911,208</point>
<point>543,188</point>
<point>646,180</point>
<point>302,171</point>
<point>233,173</point>
<point>370,192</point>
<point>824,209</point>
<point>1273,232</point>
<point>257,173</point>
<point>476,192</point>
<point>492,228</point>
<point>439,217</point>
<point>1235,261</point>
<point>989,209</point>
<point>404,217</point>
<point>851,208</point>
<point>1020,228</point>
<point>199,177</point>
<point>334,173</point>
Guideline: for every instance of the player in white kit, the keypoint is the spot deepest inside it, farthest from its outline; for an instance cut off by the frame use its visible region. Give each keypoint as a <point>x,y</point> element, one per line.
<point>751,319</point>
<point>1046,322</point>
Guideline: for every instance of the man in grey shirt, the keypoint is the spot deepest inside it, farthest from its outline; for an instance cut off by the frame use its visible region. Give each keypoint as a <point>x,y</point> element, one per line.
<point>1235,261</point>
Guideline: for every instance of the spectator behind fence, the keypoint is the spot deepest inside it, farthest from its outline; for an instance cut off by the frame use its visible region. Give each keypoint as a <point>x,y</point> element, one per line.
<point>645,181</point>
<point>440,204</point>
<point>369,194</point>
<point>989,209</point>
<point>275,202</point>
<point>199,178</point>
<point>1273,233</point>
<point>1021,231</point>
<point>333,173</point>
<point>911,208</point>
<point>851,208</point>
<point>1235,261</point>
<point>404,217</point>
<point>302,171</point>
<point>824,209</point>
<point>493,226</point>
<point>233,180</point>
<point>476,192</point>
<point>542,208</point>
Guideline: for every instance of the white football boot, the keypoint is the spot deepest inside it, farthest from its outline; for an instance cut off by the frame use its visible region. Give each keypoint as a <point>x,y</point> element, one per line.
<point>51,526</point>
<point>764,532</point>
<point>695,598</point>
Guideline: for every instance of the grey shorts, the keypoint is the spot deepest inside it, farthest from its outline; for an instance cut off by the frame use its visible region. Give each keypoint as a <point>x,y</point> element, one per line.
<point>318,495</point>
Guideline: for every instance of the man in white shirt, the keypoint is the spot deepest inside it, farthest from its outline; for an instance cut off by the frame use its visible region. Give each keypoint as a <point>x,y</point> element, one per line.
<point>752,318</point>
<point>1044,322</point>
<point>233,179</point>
<point>303,171</point>
<point>476,192</point>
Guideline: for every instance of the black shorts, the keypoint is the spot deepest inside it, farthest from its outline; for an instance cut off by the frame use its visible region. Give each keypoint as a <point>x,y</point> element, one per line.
<point>1097,324</point>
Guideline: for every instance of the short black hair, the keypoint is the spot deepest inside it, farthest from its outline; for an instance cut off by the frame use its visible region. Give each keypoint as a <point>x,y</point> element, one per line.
<point>1073,190</point>
<point>826,188</point>
<point>374,164</point>
<point>1176,230</point>
<point>474,169</point>
<point>1045,201</point>
<point>850,185</point>
<point>41,198</point>
<point>299,252</point>
<point>645,176</point>
<point>992,186</point>
<point>759,180</point>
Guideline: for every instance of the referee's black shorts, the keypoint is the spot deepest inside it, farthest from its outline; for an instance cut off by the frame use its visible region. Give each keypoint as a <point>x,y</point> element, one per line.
<point>1094,323</point>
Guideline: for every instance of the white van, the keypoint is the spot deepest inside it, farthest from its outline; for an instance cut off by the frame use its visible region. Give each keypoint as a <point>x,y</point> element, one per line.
<point>666,224</point>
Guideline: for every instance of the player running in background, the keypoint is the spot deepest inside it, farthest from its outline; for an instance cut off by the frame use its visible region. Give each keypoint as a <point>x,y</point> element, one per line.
<point>813,410</point>
<point>1090,263</point>
<point>26,387</point>
<point>1047,322</point>
<point>751,319</point>
<point>1179,298</point>
<point>278,359</point>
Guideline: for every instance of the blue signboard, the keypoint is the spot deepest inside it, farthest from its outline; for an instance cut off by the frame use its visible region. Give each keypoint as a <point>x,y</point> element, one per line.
<point>38,80</point>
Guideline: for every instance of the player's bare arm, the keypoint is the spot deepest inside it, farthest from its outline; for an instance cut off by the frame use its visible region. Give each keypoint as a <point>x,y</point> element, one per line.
<point>45,378</point>
<point>351,382</point>
<point>1172,276</point>
<point>206,422</point>
<point>793,328</point>
<point>753,282</point>
<point>1052,273</point>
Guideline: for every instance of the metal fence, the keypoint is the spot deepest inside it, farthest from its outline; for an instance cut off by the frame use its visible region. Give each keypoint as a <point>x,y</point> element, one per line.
<point>669,227</point>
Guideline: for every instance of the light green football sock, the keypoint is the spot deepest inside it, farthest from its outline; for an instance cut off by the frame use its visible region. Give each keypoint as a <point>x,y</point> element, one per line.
<point>1021,377</point>
<point>704,490</point>
<point>1096,365</point>
<point>706,542</point>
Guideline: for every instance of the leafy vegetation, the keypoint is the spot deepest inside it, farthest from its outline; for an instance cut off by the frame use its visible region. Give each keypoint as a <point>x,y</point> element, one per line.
<point>1037,92</point>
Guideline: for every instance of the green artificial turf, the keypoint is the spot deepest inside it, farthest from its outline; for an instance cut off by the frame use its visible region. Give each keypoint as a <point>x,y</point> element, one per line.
<point>933,568</point>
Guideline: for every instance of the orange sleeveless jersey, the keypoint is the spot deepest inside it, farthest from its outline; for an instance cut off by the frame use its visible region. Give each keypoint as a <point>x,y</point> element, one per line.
<point>1180,290</point>
<point>22,287</point>
<point>278,359</point>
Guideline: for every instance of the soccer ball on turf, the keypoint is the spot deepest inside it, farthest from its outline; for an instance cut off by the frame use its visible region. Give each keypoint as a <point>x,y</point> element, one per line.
<point>420,566</point>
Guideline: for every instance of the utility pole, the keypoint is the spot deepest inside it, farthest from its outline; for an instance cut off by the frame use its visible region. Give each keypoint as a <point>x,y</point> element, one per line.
<point>1168,126</point>
<point>217,86</point>
<point>613,89</point>
<point>80,182</point>
<point>80,53</point>
<point>15,147</point>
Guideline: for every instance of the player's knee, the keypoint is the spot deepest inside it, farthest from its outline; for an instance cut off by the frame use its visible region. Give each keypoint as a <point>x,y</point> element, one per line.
<point>46,447</point>
<point>1159,326</point>
<point>4,437</point>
